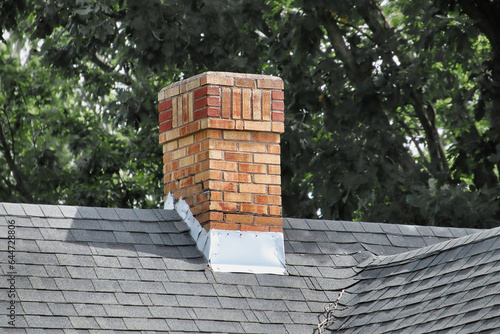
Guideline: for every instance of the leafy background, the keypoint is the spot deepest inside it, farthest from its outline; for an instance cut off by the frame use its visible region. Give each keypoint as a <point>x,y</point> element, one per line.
<point>392,107</point>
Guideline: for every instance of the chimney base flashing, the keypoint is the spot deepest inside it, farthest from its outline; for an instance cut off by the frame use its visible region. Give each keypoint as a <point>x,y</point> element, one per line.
<point>234,251</point>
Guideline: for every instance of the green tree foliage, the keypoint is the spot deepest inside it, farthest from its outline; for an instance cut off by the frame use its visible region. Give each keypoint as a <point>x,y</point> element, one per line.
<point>393,108</point>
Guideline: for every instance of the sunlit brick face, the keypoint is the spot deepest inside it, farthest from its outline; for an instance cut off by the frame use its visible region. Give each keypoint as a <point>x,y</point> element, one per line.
<point>221,143</point>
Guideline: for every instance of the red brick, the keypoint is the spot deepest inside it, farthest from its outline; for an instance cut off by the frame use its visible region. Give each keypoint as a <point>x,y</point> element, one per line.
<point>278,95</point>
<point>165,116</point>
<point>223,165</point>
<point>165,126</point>
<point>210,101</point>
<point>278,105</point>
<point>206,112</point>
<point>278,116</point>
<point>206,90</point>
<point>164,105</point>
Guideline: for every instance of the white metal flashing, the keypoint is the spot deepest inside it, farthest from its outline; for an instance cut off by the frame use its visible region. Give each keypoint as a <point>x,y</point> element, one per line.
<point>234,251</point>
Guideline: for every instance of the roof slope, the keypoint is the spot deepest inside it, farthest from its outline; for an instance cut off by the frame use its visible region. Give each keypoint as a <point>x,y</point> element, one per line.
<point>451,287</point>
<point>101,270</point>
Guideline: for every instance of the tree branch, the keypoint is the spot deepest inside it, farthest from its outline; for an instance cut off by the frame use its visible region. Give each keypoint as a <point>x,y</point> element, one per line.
<point>20,185</point>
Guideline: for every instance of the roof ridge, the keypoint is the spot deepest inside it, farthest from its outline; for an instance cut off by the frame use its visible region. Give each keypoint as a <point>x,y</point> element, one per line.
<point>416,254</point>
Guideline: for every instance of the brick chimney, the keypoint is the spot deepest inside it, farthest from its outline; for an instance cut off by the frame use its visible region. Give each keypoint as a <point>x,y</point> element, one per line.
<point>220,134</point>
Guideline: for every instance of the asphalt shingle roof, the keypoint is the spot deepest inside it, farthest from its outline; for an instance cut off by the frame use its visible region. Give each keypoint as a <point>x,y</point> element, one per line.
<point>104,270</point>
<point>448,287</point>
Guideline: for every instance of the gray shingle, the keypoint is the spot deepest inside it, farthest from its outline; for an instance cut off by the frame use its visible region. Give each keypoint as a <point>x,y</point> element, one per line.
<point>122,311</point>
<point>51,211</point>
<point>111,323</point>
<point>142,287</point>
<point>70,211</point>
<point>14,209</point>
<point>88,212</point>
<point>47,321</point>
<point>32,210</point>
<point>146,324</point>
<point>89,297</point>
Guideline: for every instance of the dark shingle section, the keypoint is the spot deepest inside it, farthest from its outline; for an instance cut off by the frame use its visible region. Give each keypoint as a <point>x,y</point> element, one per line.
<point>105,270</point>
<point>449,287</point>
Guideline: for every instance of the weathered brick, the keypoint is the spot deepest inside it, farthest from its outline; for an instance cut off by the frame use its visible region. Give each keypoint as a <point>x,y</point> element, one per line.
<point>278,127</point>
<point>267,179</point>
<point>257,209</point>
<point>239,157</point>
<point>266,105</point>
<point>264,199</point>
<point>189,160</point>
<point>237,177</point>
<point>274,169</point>
<point>257,105</point>
<point>257,126</point>
<point>236,135</point>
<point>221,145</point>
<point>275,210</point>
<point>270,221</point>
<point>265,137</point>
<point>252,147</point>
<point>223,206</point>
<point>246,110</point>
<point>224,165</point>
<point>219,185</point>
<point>220,124</point>
<point>226,103</point>
<point>254,228</point>
<point>274,190</point>
<point>195,148</point>
<point>186,141</point>
<point>263,158</point>
<point>179,153</point>
<point>253,188</point>
<point>237,197</point>
<point>244,82</point>
<point>270,83</point>
<point>240,218</point>
<point>236,111</point>
<point>252,168</point>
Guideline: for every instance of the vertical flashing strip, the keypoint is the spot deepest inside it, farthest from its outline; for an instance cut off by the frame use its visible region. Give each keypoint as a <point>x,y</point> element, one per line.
<point>234,251</point>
